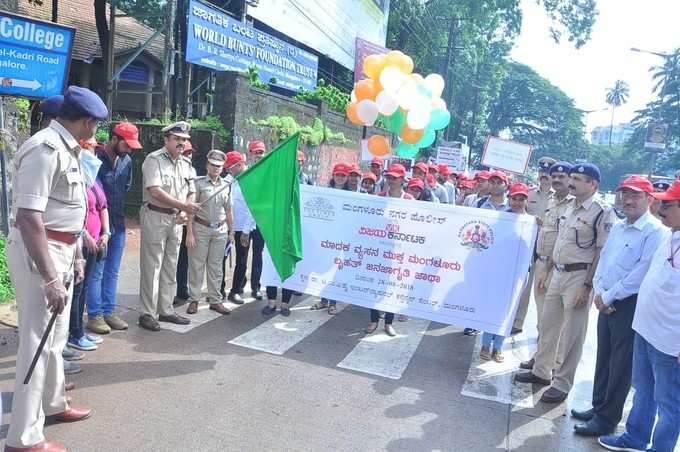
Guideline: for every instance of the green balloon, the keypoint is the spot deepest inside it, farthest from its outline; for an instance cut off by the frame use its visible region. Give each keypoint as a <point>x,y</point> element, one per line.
<point>439,119</point>
<point>428,138</point>
<point>407,150</point>
<point>396,121</point>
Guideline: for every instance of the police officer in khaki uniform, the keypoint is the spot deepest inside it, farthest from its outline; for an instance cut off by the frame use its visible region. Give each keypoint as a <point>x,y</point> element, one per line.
<point>582,233</point>
<point>536,206</point>
<point>208,233</point>
<point>168,194</point>
<point>49,206</point>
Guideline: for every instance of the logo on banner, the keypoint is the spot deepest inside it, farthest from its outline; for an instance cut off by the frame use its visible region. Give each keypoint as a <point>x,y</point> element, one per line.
<point>476,235</point>
<point>319,208</point>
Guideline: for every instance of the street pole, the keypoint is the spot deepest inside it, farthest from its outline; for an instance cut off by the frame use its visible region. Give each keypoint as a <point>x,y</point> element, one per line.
<point>168,61</point>
<point>110,57</point>
<point>3,171</point>
<point>448,62</point>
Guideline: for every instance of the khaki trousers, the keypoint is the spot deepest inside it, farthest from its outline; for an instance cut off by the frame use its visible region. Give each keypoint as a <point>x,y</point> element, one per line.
<point>562,326</point>
<point>44,395</point>
<point>208,253</point>
<point>159,249</point>
<point>523,307</point>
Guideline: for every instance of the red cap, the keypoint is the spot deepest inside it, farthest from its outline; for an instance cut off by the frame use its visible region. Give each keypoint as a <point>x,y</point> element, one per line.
<point>499,174</point>
<point>434,168</point>
<point>396,170</point>
<point>233,158</point>
<point>415,182</point>
<point>341,168</point>
<point>188,148</point>
<point>519,189</point>
<point>431,180</point>
<point>672,194</point>
<point>483,175</point>
<point>257,145</point>
<point>422,166</point>
<point>378,161</point>
<point>129,133</point>
<point>444,169</point>
<point>637,183</point>
<point>467,184</point>
<point>354,169</point>
<point>300,156</point>
<point>370,175</point>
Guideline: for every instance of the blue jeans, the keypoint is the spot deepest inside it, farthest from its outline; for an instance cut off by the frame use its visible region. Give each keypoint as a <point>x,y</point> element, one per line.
<point>102,287</point>
<point>656,379</point>
<point>78,298</point>
<point>487,338</point>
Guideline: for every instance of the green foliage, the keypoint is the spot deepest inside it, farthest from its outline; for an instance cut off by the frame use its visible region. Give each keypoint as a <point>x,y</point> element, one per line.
<point>23,107</point>
<point>6,287</point>
<point>143,10</point>
<point>615,162</point>
<point>313,134</point>
<point>253,76</point>
<point>336,98</point>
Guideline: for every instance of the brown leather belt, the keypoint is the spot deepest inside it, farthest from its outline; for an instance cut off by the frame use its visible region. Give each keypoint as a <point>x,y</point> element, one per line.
<point>208,224</point>
<point>571,267</point>
<point>164,210</point>
<point>64,237</point>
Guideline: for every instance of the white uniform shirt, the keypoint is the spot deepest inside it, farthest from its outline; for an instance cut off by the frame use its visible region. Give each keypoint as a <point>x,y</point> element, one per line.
<point>657,314</point>
<point>626,257</point>
<point>243,219</point>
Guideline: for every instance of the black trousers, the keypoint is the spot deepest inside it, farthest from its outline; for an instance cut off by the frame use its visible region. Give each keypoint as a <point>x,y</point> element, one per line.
<point>239,280</point>
<point>183,267</point>
<point>614,365</point>
<point>286,294</point>
<point>79,297</point>
<point>375,317</point>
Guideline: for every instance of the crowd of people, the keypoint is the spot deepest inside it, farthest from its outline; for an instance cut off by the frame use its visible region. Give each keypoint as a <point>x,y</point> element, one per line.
<point>191,226</point>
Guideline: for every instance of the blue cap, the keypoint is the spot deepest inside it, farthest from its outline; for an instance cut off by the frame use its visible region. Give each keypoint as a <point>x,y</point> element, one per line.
<point>560,167</point>
<point>662,186</point>
<point>50,107</point>
<point>86,102</point>
<point>587,169</point>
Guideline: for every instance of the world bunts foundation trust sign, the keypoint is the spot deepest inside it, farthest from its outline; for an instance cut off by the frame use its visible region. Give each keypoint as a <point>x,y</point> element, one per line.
<point>476,235</point>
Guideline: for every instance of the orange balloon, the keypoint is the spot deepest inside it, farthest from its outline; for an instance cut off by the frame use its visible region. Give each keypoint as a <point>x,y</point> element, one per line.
<point>401,60</point>
<point>352,114</point>
<point>410,136</point>
<point>373,65</point>
<point>365,89</point>
<point>378,145</point>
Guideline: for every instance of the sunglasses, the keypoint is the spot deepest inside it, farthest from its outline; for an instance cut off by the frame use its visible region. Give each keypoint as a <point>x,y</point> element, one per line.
<point>496,181</point>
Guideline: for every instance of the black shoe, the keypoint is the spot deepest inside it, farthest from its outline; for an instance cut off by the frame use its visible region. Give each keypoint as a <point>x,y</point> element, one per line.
<point>591,428</point>
<point>268,310</point>
<point>515,331</point>
<point>553,395</point>
<point>174,318</point>
<point>527,365</point>
<point>235,298</point>
<point>529,377</point>
<point>285,312</point>
<point>257,294</point>
<point>583,415</point>
<point>297,294</point>
<point>149,323</point>
<point>470,332</point>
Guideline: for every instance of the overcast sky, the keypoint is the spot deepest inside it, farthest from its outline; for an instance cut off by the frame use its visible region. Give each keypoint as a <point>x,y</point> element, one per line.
<point>586,73</point>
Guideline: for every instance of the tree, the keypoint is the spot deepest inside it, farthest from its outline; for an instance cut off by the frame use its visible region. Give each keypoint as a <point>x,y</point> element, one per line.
<point>616,96</point>
<point>149,12</point>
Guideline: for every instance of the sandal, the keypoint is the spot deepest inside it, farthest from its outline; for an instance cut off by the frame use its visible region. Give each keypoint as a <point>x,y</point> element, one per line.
<point>485,354</point>
<point>192,308</point>
<point>497,356</point>
<point>371,328</point>
<point>323,304</point>
<point>332,310</point>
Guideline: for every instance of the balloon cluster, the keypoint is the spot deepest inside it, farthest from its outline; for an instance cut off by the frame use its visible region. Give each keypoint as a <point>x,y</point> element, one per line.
<point>408,104</point>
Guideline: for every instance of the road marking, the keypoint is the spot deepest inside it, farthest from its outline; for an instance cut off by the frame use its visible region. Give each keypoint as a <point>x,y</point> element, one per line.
<point>202,316</point>
<point>379,354</point>
<point>278,334</point>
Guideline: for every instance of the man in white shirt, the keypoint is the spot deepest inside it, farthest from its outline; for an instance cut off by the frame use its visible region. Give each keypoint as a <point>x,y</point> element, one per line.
<point>656,355</point>
<point>624,262</point>
<point>482,179</point>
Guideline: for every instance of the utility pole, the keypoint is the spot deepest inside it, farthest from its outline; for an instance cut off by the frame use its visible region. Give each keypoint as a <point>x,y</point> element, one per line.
<point>447,70</point>
<point>110,57</point>
<point>169,58</point>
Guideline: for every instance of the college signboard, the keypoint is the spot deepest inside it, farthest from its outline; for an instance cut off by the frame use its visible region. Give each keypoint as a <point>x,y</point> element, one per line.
<point>34,56</point>
<point>506,155</point>
<point>218,41</point>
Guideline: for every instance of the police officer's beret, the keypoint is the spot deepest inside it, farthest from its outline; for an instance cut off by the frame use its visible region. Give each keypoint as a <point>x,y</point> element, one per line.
<point>587,169</point>
<point>50,107</point>
<point>663,186</point>
<point>544,164</point>
<point>86,102</point>
<point>180,128</point>
<point>560,167</point>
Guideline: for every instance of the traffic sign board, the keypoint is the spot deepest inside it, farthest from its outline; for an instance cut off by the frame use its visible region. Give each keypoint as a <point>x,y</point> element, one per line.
<point>34,56</point>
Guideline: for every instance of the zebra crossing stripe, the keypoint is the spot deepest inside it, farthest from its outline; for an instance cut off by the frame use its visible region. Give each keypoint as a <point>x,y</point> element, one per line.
<point>202,316</point>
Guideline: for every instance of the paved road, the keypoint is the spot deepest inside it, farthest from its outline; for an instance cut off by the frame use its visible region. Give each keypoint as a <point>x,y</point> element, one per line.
<point>308,382</point>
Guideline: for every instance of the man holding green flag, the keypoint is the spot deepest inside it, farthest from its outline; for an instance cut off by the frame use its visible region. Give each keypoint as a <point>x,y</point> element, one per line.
<point>271,189</point>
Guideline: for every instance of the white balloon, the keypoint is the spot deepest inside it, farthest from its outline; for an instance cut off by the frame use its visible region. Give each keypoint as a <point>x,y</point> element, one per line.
<point>353,97</point>
<point>435,83</point>
<point>391,78</point>
<point>387,102</point>
<point>419,117</point>
<point>408,96</point>
<point>367,111</point>
<point>438,102</point>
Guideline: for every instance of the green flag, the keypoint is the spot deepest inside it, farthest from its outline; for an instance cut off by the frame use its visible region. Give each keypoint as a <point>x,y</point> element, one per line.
<point>271,188</point>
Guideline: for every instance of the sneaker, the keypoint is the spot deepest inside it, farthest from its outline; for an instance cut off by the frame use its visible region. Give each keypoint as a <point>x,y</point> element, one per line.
<point>617,443</point>
<point>94,338</point>
<point>83,344</point>
<point>72,355</point>
<point>71,368</point>
<point>98,325</point>
<point>115,322</point>
<point>470,332</point>
<point>268,310</point>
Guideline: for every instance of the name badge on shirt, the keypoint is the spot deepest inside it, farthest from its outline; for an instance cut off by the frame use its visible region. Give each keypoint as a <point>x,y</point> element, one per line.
<point>73,176</point>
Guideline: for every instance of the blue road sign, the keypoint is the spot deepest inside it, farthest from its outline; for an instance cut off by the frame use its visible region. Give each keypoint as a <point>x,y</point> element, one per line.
<point>34,56</point>
<point>217,41</point>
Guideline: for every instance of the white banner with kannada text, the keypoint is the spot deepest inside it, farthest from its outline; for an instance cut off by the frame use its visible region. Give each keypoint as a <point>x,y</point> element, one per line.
<point>450,264</point>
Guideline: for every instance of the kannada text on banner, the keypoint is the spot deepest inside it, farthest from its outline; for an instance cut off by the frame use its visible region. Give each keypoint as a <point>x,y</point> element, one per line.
<point>450,264</point>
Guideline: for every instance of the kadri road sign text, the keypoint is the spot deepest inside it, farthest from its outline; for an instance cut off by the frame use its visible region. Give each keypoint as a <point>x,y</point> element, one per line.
<point>34,56</point>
